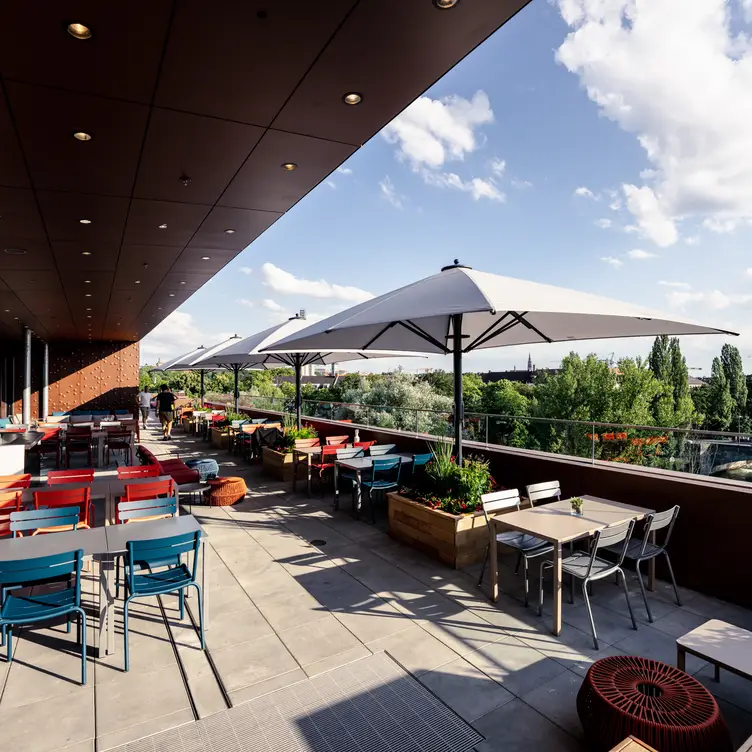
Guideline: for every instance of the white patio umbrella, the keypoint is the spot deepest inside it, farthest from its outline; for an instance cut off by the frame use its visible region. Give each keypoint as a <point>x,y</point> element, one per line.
<point>460,310</point>
<point>247,354</point>
<point>187,362</point>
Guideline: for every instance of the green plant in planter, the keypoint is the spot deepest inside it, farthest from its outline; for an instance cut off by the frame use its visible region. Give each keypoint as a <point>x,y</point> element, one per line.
<point>293,434</point>
<point>576,505</point>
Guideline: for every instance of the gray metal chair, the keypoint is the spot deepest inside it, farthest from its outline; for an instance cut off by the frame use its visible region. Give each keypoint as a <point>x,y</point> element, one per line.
<point>589,567</point>
<point>527,546</point>
<point>536,492</point>
<point>645,550</point>
<point>376,450</point>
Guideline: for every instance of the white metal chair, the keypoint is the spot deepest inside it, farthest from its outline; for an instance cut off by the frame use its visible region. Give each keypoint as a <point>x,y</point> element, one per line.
<point>527,546</point>
<point>536,492</point>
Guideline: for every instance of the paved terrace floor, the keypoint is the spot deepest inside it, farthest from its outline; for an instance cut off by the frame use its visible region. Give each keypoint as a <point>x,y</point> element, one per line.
<point>290,620</point>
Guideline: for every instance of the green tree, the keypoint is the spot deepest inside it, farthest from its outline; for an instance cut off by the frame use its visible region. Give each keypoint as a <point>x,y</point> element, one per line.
<point>720,406</point>
<point>733,368</point>
<point>505,398</point>
<point>441,381</point>
<point>672,406</point>
<point>638,388</point>
<point>472,392</point>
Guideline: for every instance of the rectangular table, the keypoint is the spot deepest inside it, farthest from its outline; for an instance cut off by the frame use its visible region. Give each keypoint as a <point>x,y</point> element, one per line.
<point>555,524</point>
<point>724,645</point>
<point>359,464</point>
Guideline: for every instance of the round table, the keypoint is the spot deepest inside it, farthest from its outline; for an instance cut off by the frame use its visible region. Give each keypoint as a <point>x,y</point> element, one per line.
<point>658,703</point>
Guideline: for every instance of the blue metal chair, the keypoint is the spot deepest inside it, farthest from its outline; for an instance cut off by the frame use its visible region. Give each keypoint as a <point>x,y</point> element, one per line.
<point>420,461</point>
<point>149,554</point>
<point>38,519</point>
<point>344,473</point>
<point>29,608</point>
<point>378,449</point>
<point>384,477</point>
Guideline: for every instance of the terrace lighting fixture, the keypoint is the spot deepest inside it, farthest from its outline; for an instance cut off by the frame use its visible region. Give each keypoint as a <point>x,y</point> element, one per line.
<point>85,221</point>
<point>205,258</point>
<point>445,4</point>
<point>86,253</point>
<point>79,31</point>
<point>229,231</point>
<point>81,136</point>
<point>162,227</point>
<point>15,251</point>
<point>352,98</point>
<point>289,166</point>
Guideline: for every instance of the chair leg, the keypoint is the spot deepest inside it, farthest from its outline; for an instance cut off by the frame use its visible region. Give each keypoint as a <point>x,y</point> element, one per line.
<point>543,568</point>
<point>590,614</point>
<point>524,571</point>
<point>571,588</point>
<point>673,579</point>
<point>642,590</point>
<point>181,597</point>
<point>517,565</point>
<point>200,614</point>
<point>125,634</point>
<point>82,633</point>
<point>67,624</point>
<point>9,635</point>
<point>629,603</point>
<point>117,577</point>
<point>483,567</point>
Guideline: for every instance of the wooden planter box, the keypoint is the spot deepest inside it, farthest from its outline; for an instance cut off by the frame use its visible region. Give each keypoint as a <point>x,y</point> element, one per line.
<point>220,438</point>
<point>277,464</point>
<point>457,540</point>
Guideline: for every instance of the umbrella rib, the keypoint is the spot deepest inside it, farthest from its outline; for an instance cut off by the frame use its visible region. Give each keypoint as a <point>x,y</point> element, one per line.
<point>482,338</point>
<point>521,318</point>
<point>415,329</point>
<point>479,342</point>
<point>373,339</point>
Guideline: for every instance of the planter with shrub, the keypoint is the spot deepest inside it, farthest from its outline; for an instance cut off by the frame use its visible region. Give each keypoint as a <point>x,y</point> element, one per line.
<point>278,461</point>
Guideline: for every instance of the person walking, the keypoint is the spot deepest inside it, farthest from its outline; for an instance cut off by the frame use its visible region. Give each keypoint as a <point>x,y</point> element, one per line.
<point>166,409</point>
<point>144,403</point>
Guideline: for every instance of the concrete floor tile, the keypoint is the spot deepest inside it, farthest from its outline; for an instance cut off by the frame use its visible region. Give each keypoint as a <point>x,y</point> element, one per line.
<point>610,625</point>
<point>372,620</point>
<point>463,632</point>
<point>739,722</point>
<point>87,746</point>
<point>336,660</point>
<point>266,686</point>
<point>732,688</point>
<point>515,665</point>
<point>570,647</point>
<point>252,662</point>
<point>417,650</point>
<point>141,730</point>
<point>582,666</point>
<point>678,622</point>
<point>649,642</point>
<point>318,640</point>
<point>228,629</point>
<point>466,689</point>
<point>284,610</point>
<point>29,728</point>
<point>557,700</point>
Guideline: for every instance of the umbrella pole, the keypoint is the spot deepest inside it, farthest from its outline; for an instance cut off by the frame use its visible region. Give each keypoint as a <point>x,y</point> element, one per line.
<point>236,369</point>
<point>298,390</point>
<point>459,408</point>
<point>202,372</point>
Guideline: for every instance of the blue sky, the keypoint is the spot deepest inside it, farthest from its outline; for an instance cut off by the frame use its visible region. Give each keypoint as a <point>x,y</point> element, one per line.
<point>592,145</point>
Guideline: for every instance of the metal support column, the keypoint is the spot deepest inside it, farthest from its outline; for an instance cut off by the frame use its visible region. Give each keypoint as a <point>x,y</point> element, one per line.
<point>298,389</point>
<point>45,403</point>
<point>26,398</point>
<point>459,407</point>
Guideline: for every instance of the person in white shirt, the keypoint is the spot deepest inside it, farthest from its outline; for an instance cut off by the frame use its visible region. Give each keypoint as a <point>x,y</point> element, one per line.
<point>144,402</point>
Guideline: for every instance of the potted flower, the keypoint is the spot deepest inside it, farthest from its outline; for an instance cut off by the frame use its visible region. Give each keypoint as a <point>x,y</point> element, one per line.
<point>278,461</point>
<point>439,510</point>
<point>576,504</point>
<point>220,431</point>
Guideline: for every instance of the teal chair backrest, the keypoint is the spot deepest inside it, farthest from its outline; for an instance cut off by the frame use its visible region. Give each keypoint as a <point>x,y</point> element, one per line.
<point>133,510</point>
<point>160,550</point>
<point>386,470</point>
<point>4,422</point>
<point>37,519</point>
<point>29,571</point>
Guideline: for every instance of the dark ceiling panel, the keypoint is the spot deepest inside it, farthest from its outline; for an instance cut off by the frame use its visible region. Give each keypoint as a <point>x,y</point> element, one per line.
<point>12,167</point>
<point>19,215</point>
<point>190,158</point>
<point>71,255</point>
<point>247,226</point>
<point>227,61</point>
<point>62,213</point>
<point>48,118</point>
<point>120,60</point>
<point>389,51</point>
<point>37,256</point>
<point>78,282</point>
<point>262,183</point>
<point>42,282</point>
<point>149,260</point>
<point>145,218</point>
<point>203,260</point>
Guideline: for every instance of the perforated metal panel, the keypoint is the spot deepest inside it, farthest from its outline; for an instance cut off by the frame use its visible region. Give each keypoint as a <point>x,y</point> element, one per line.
<point>371,705</point>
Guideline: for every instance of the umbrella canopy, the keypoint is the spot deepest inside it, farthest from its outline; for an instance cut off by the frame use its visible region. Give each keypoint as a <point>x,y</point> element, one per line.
<point>247,354</point>
<point>460,310</point>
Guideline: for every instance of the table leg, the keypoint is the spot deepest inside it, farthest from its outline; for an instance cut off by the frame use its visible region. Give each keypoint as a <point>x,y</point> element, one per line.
<point>358,494</point>
<point>681,657</point>
<point>100,634</point>
<point>308,473</point>
<point>203,584</point>
<point>557,589</point>
<point>493,561</point>
<point>100,451</point>
<point>336,486</point>
<point>651,566</point>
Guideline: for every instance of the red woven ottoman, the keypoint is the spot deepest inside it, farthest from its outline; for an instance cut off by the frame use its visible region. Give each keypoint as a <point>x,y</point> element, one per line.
<point>659,704</point>
<point>224,492</point>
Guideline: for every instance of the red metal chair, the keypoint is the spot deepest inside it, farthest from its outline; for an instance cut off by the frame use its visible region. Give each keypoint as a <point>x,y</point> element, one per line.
<point>328,454</point>
<point>78,441</point>
<point>15,481</point>
<point>142,491</point>
<point>79,475</point>
<point>51,443</point>
<point>363,444</point>
<point>126,472</point>
<point>118,440</point>
<point>70,497</point>
<point>332,440</point>
<point>10,501</point>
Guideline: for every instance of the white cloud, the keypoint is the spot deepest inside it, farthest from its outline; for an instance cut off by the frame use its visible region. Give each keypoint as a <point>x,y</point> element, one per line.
<point>245,270</point>
<point>612,261</point>
<point>288,284</point>
<point>721,226</point>
<point>585,192</point>
<point>714,299</point>
<point>747,9</point>
<point>388,192</point>
<point>344,171</point>
<point>271,305</point>
<point>692,240</point>
<point>178,333</point>
<point>615,205</point>
<point>331,183</point>
<point>521,185</point>
<point>749,270</point>
<point>245,302</point>
<point>478,188</point>
<point>639,255</point>
<point>604,223</point>
<point>498,166</point>
<point>430,132</point>
<point>680,79</point>
<point>678,285</point>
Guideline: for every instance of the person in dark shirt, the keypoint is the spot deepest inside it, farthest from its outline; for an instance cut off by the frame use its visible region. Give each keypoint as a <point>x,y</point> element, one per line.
<point>166,410</point>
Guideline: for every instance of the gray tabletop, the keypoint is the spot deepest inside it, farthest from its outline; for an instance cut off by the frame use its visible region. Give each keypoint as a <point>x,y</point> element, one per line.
<point>92,542</point>
<point>363,463</point>
<point>100,489</point>
<point>119,535</point>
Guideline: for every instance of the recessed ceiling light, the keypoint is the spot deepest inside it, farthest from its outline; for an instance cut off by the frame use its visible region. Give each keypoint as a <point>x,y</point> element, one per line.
<point>352,98</point>
<point>81,136</point>
<point>87,281</point>
<point>88,309</point>
<point>85,221</point>
<point>7,310</point>
<point>205,258</point>
<point>445,4</point>
<point>88,317</point>
<point>172,294</point>
<point>15,251</point>
<point>138,281</point>
<point>289,166</point>
<point>15,318</point>
<point>79,31</point>
<point>230,231</point>
<point>162,227</point>
<point>160,308</point>
<point>182,282</point>
<point>86,253</point>
<point>88,295</point>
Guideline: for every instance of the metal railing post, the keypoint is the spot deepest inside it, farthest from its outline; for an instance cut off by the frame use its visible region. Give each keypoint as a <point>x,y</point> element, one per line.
<point>592,437</point>
<point>486,429</point>
<point>417,422</point>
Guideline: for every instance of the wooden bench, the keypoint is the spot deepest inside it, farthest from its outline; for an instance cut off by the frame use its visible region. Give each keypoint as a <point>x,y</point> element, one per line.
<point>719,643</point>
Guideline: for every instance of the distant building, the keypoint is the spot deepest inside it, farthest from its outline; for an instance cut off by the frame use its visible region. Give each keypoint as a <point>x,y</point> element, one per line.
<point>694,382</point>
